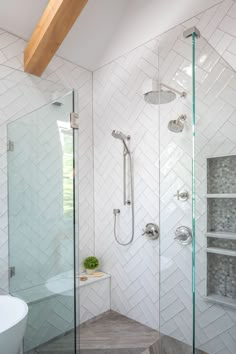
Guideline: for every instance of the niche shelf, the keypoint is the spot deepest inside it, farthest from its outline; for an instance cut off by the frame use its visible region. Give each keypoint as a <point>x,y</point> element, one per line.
<point>221,300</point>
<point>221,195</point>
<point>222,235</point>
<point>221,230</point>
<point>222,251</point>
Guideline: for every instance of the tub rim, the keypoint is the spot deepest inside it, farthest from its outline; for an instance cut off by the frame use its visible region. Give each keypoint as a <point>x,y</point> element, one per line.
<point>21,317</point>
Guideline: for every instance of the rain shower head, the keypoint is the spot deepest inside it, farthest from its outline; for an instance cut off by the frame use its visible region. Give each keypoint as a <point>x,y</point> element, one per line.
<point>159,97</point>
<point>158,93</point>
<point>121,136</point>
<point>177,125</point>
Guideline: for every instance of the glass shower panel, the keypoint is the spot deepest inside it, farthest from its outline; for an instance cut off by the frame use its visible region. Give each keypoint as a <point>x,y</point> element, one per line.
<point>215,176</point>
<point>176,308</point>
<point>41,223</point>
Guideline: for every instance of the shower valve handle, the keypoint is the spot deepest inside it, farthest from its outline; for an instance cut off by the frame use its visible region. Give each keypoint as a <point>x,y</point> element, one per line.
<point>151,231</point>
<point>182,195</point>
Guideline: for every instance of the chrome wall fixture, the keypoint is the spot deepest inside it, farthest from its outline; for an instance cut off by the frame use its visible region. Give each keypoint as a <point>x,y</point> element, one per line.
<point>129,202</point>
<point>151,231</point>
<point>183,234</point>
<point>189,32</point>
<point>125,154</point>
<point>177,125</point>
<point>156,92</point>
<point>182,195</point>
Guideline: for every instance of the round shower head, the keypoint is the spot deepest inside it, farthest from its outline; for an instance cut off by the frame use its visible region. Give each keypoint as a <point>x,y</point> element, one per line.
<point>154,94</point>
<point>159,93</point>
<point>159,97</point>
<point>177,125</point>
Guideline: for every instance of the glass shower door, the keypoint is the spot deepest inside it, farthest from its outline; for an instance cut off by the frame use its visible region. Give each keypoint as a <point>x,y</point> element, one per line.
<point>197,193</point>
<point>176,305</point>
<point>42,224</point>
<point>215,159</point>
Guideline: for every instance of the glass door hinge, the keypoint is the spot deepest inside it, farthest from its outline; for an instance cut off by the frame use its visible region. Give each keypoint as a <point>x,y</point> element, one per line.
<point>10,145</point>
<point>74,120</point>
<point>12,271</point>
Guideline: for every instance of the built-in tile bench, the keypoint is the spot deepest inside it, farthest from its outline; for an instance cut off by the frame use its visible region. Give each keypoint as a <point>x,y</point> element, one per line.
<point>51,306</point>
<point>94,297</point>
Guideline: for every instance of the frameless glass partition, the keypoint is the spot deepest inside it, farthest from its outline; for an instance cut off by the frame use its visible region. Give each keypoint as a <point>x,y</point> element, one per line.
<point>176,287</point>
<point>215,160</point>
<point>41,190</point>
<point>176,307</point>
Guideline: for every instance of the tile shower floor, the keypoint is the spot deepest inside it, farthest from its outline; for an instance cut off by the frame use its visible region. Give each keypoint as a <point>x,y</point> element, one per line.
<point>112,333</point>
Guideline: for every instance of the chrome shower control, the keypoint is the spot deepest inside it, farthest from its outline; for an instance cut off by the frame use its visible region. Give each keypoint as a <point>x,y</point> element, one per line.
<point>182,195</point>
<point>151,231</point>
<point>183,235</point>
<point>127,162</point>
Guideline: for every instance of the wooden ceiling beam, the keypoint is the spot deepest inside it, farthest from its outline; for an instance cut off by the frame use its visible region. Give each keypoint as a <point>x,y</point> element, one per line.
<point>55,23</point>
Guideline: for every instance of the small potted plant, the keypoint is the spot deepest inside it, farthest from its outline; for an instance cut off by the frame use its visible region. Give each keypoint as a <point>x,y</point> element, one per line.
<point>91,264</point>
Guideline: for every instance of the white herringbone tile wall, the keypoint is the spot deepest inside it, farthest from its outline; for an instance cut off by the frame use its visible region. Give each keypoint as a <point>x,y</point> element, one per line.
<point>118,104</point>
<point>94,299</point>
<point>21,93</point>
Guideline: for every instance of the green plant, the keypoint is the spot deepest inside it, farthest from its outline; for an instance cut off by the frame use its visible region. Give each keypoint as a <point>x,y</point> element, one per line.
<point>91,263</point>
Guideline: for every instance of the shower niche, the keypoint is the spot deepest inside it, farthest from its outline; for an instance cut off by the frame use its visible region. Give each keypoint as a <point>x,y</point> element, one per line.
<point>221,230</point>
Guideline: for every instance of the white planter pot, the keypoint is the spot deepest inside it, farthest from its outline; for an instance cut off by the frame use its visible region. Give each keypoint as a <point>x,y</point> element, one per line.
<point>91,271</point>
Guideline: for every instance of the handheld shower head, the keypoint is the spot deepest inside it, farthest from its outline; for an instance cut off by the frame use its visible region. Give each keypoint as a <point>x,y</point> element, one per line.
<point>118,135</point>
<point>121,136</point>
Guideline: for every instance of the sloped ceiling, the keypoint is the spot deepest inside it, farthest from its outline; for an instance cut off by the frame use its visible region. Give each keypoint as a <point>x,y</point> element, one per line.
<point>106,29</point>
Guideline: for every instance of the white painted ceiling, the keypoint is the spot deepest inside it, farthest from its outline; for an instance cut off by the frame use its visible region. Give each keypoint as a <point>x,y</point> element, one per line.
<point>106,29</point>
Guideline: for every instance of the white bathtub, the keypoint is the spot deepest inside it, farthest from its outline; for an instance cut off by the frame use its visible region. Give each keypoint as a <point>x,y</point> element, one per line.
<point>13,318</point>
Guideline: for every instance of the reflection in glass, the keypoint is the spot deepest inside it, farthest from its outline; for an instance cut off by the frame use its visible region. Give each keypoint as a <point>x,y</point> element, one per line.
<point>41,225</point>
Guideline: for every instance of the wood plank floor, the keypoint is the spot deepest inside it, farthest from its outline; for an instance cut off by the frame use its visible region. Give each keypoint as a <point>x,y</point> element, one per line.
<point>117,333</point>
<point>113,333</point>
<point>169,345</point>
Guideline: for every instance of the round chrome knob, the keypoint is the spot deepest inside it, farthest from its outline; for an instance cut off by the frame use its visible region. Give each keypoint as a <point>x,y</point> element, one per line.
<point>151,231</point>
<point>183,234</point>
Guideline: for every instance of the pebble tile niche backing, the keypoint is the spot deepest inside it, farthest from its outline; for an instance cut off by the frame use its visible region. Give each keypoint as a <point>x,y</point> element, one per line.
<point>221,215</point>
<point>222,243</point>
<point>221,269</point>
<point>221,172</point>
<point>221,278</point>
